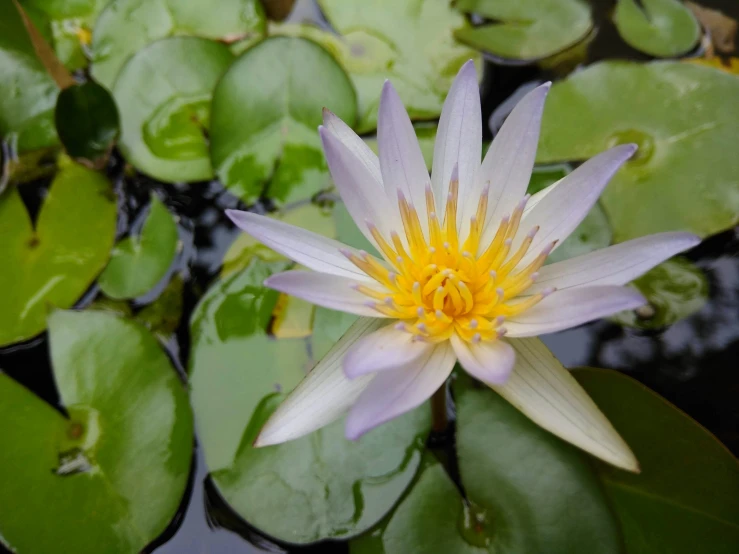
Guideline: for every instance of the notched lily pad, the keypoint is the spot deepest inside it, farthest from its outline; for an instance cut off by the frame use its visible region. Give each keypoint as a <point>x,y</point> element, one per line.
<point>663,28</point>
<point>27,92</point>
<point>685,175</point>
<point>137,264</point>
<point>266,110</point>
<point>54,261</point>
<point>129,422</point>
<point>416,52</point>
<point>317,487</point>
<point>686,498</point>
<point>525,29</point>
<point>164,95</point>
<point>675,289</point>
<point>127,26</point>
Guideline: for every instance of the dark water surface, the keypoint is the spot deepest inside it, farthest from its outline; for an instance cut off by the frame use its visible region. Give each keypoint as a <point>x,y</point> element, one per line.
<point>692,363</point>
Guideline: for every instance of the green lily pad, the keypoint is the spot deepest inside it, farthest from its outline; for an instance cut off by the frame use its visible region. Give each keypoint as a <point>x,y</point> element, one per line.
<point>686,498</point>
<point>685,175</point>
<point>663,28</point>
<point>416,52</point>
<point>27,92</point>
<point>111,476</point>
<point>69,26</point>
<point>53,264</point>
<point>127,26</point>
<point>521,485</point>
<point>265,113</point>
<point>675,289</point>
<point>137,264</point>
<point>164,96</point>
<point>525,29</point>
<point>317,487</point>
<point>87,121</point>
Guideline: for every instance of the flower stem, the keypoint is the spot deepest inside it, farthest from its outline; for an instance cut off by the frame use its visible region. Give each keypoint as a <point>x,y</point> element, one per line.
<point>440,422</point>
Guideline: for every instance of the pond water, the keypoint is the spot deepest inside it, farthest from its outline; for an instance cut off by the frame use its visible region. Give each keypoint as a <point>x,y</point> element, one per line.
<point>692,363</point>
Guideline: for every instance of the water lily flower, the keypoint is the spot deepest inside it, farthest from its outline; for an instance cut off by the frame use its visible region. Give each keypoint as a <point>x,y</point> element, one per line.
<point>459,275</point>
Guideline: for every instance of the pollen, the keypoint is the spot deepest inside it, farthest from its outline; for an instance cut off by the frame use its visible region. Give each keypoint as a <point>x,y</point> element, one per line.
<point>438,283</point>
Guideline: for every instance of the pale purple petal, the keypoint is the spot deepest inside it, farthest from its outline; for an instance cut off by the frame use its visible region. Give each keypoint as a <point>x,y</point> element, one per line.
<point>507,166</point>
<point>488,361</point>
<point>550,396</point>
<point>357,187</point>
<point>459,140</point>
<point>572,307</point>
<point>386,348</point>
<point>323,396</point>
<point>615,265</point>
<point>401,161</point>
<point>310,249</point>
<point>357,146</point>
<point>329,291</point>
<point>563,208</point>
<point>395,392</point>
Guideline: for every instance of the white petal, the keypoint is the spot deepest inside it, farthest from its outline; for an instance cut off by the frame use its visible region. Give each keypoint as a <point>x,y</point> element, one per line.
<point>310,249</point>
<point>615,265</point>
<point>329,291</point>
<point>459,140</point>
<point>357,146</point>
<point>562,209</point>
<point>401,161</point>
<point>507,166</point>
<point>488,361</point>
<point>323,396</point>
<point>395,392</point>
<point>386,348</point>
<point>357,186</point>
<point>547,394</point>
<point>572,307</point>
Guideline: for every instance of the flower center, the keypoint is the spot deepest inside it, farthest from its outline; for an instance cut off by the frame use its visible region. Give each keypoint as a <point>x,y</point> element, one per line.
<point>437,286</point>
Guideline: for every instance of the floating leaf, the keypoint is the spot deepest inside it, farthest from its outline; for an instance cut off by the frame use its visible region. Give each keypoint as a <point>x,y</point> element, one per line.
<point>164,95</point>
<point>520,481</point>
<point>416,51</point>
<point>686,498</point>
<point>70,26</point>
<point>27,92</point>
<point>127,26</point>
<point>162,317</point>
<point>87,120</point>
<point>685,175</point>
<point>663,28</point>
<point>111,476</point>
<point>320,486</point>
<point>137,264</point>
<point>55,263</point>
<point>265,113</point>
<point>675,289</point>
<point>525,29</point>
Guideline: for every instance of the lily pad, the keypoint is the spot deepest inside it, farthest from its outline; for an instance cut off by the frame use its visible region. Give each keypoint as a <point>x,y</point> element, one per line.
<point>317,487</point>
<point>69,26</point>
<point>520,481</point>
<point>27,92</point>
<point>686,498</point>
<point>416,51</point>
<point>126,26</point>
<point>137,264</point>
<point>162,317</point>
<point>164,96</point>
<point>685,175</point>
<point>111,476</point>
<point>266,109</point>
<point>54,261</point>
<point>662,28</point>
<point>87,120</point>
<point>525,29</point>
